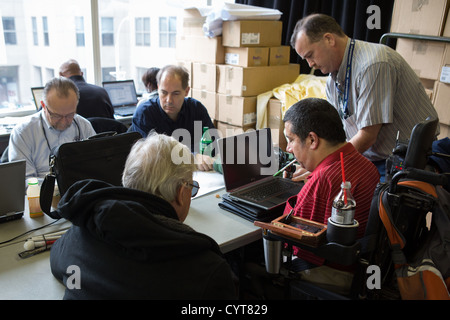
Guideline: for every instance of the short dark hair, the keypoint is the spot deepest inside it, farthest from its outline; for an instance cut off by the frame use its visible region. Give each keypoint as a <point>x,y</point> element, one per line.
<point>315,115</point>
<point>315,26</point>
<point>149,78</point>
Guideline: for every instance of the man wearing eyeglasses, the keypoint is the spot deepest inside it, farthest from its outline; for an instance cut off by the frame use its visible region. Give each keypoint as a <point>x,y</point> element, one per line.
<point>130,242</point>
<point>173,113</point>
<point>375,91</point>
<point>56,123</point>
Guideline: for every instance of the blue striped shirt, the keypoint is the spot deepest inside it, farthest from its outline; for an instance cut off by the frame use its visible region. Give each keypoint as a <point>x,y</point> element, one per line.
<point>28,142</point>
<point>384,90</point>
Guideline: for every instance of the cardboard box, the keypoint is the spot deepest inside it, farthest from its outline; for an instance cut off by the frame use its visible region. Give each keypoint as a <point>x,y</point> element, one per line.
<point>247,57</point>
<point>444,72</point>
<point>441,99</point>
<point>192,23</point>
<point>228,130</point>
<point>279,55</point>
<point>419,17</point>
<point>276,124</point>
<point>238,111</point>
<point>251,33</point>
<point>430,86</point>
<point>188,65</point>
<point>208,99</point>
<point>200,49</point>
<point>424,57</point>
<point>204,76</point>
<point>252,81</point>
<point>446,32</point>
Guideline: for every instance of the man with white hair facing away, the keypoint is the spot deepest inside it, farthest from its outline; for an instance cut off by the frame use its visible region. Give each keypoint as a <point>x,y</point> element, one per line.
<point>130,242</point>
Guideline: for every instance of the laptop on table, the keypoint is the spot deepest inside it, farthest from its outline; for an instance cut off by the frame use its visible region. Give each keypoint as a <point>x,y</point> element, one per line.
<point>248,164</point>
<point>12,190</point>
<point>123,96</point>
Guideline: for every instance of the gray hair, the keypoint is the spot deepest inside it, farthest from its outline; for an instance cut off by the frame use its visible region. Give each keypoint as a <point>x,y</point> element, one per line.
<point>62,86</point>
<point>315,26</point>
<point>151,166</point>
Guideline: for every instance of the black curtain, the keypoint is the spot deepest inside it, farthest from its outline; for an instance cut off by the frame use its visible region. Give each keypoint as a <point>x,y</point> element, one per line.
<point>350,14</point>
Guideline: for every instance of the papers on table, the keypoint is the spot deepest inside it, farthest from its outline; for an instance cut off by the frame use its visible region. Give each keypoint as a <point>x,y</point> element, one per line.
<point>209,181</point>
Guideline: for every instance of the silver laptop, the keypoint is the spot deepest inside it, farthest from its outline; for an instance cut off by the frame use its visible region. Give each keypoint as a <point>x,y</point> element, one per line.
<point>12,190</point>
<point>123,96</point>
<point>37,93</point>
<point>248,164</point>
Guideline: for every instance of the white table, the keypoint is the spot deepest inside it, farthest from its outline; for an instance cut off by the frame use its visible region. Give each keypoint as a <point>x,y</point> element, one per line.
<point>31,278</point>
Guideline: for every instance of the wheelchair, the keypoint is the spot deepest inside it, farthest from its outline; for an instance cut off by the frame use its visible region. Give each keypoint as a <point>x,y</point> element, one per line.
<point>410,206</point>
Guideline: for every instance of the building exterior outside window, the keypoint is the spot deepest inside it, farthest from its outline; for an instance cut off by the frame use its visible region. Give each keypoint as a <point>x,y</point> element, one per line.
<point>37,36</point>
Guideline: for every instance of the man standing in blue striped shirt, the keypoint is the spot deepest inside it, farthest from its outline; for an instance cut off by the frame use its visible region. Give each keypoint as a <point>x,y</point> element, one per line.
<point>375,91</point>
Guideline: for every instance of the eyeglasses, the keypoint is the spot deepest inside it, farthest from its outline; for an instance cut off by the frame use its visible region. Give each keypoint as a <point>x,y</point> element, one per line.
<point>195,187</point>
<point>58,117</point>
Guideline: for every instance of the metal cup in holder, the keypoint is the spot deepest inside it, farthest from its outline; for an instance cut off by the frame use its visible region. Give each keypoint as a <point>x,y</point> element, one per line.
<point>272,254</point>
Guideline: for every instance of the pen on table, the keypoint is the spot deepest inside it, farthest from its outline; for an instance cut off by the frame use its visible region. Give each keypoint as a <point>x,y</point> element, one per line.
<point>30,253</point>
<point>38,244</point>
<point>284,168</point>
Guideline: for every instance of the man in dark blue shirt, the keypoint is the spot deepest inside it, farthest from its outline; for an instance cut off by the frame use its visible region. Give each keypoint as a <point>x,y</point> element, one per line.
<point>174,114</point>
<point>94,100</point>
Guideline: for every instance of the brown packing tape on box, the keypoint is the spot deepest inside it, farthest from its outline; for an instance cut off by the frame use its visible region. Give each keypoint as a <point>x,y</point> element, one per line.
<point>419,17</point>
<point>252,81</point>
<point>238,111</point>
<point>251,33</point>
<point>208,99</point>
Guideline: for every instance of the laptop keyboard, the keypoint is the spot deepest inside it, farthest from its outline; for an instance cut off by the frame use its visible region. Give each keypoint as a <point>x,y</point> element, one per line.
<point>125,111</point>
<point>260,192</point>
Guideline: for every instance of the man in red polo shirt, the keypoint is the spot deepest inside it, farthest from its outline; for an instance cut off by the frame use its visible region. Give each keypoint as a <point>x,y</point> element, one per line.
<point>316,137</point>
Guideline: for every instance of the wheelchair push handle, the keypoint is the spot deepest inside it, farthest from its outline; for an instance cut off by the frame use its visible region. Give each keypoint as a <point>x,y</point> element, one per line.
<point>433,178</point>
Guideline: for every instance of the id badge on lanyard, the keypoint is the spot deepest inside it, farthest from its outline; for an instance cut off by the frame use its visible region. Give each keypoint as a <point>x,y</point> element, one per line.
<point>343,96</point>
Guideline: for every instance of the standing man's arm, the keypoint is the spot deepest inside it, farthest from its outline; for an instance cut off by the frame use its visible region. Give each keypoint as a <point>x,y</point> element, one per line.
<point>365,137</point>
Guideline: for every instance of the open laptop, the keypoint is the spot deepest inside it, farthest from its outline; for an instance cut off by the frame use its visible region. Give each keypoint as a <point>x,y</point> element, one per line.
<point>37,93</point>
<point>248,164</point>
<point>123,96</point>
<point>12,190</point>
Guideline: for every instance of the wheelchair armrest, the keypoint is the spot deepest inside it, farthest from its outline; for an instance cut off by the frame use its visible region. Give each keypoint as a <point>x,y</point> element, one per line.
<point>331,251</point>
<point>338,253</point>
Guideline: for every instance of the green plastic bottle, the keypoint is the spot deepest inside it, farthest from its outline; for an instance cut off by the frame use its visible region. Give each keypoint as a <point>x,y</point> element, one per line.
<point>206,142</point>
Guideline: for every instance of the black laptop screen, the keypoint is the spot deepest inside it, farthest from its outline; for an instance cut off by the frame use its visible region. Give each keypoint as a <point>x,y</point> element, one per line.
<point>247,157</point>
<point>121,93</point>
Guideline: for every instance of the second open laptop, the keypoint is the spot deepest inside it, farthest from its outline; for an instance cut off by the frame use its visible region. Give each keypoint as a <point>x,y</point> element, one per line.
<point>123,96</point>
<point>12,190</point>
<point>248,164</point>
<point>37,93</point>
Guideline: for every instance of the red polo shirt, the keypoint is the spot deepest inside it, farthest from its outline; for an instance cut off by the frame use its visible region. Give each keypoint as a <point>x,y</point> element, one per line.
<point>314,201</point>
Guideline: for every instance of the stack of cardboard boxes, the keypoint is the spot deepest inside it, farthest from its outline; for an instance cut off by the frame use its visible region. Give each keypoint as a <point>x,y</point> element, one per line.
<point>229,72</point>
<point>429,59</point>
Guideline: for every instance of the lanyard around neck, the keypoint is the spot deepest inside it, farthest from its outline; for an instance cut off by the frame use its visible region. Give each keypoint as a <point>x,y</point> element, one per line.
<point>344,100</point>
<point>77,138</point>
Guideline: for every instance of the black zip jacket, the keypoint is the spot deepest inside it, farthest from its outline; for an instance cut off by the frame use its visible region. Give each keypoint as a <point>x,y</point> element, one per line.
<point>128,244</point>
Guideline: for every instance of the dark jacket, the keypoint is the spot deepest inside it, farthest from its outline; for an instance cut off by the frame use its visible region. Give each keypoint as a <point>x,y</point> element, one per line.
<point>130,244</point>
<point>94,100</point>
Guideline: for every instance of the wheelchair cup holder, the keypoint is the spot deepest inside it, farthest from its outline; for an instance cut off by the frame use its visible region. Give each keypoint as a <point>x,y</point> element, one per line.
<point>272,254</point>
<point>344,234</point>
<point>331,251</point>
